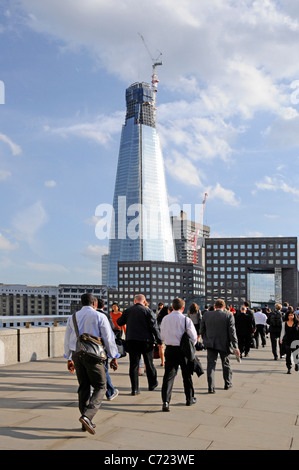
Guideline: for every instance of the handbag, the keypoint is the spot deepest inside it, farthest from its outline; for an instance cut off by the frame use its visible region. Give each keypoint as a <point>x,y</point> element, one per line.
<point>120,343</point>
<point>187,346</point>
<point>89,345</point>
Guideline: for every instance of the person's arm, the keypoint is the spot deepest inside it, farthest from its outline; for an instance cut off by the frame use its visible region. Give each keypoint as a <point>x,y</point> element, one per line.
<point>122,320</point>
<point>107,335</point>
<point>191,331</point>
<point>154,326</point>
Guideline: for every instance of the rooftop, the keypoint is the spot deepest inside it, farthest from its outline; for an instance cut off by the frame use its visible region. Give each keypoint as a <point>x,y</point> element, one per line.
<point>39,410</point>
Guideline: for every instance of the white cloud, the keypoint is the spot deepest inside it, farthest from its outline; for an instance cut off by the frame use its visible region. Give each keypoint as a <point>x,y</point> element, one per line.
<point>277,184</point>
<point>4,174</point>
<point>99,130</point>
<point>50,184</point>
<point>227,196</point>
<point>181,169</point>
<point>28,222</point>
<point>95,252</point>
<point>47,267</point>
<point>7,245</point>
<point>15,148</point>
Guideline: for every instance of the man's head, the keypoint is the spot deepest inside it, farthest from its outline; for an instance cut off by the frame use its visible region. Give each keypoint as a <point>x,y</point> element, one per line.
<point>278,306</point>
<point>140,299</point>
<point>243,309</point>
<point>178,304</point>
<point>101,303</point>
<point>220,304</point>
<point>88,300</point>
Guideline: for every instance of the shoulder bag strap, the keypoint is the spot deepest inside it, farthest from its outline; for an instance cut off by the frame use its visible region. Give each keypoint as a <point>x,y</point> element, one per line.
<point>75,325</point>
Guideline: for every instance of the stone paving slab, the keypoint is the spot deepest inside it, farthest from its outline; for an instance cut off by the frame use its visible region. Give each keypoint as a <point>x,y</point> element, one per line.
<point>39,410</point>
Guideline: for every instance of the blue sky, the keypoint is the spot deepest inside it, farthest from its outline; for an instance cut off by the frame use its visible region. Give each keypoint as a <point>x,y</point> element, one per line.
<point>228,104</point>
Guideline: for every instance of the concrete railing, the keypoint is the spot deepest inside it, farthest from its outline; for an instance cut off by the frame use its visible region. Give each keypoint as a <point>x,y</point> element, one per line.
<point>19,344</point>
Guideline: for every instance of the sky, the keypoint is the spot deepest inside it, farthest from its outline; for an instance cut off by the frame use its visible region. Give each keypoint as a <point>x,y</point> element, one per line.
<point>227,117</point>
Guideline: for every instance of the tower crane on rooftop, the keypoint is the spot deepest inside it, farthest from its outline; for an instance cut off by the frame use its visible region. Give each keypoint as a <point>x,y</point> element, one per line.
<point>155,63</point>
<point>198,232</point>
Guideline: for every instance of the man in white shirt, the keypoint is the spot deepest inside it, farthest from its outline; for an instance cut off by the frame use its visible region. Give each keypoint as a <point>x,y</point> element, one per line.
<point>260,321</point>
<point>90,374</point>
<point>172,329</point>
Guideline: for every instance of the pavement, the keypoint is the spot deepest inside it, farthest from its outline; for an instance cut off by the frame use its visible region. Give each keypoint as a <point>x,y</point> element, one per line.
<point>260,412</point>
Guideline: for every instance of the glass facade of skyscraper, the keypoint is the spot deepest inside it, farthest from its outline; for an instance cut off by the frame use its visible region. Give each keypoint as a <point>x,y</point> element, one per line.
<point>141,228</point>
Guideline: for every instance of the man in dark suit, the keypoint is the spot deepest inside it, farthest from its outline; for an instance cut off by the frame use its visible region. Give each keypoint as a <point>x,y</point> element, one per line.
<point>141,333</point>
<point>245,327</point>
<point>219,336</point>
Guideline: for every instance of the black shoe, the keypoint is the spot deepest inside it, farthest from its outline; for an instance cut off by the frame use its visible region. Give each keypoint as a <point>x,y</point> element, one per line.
<point>165,406</point>
<point>289,371</point>
<point>135,392</point>
<point>296,367</point>
<point>153,387</point>
<point>211,390</point>
<point>83,429</point>
<point>89,427</point>
<point>189,403</point>
<point>227,386</point>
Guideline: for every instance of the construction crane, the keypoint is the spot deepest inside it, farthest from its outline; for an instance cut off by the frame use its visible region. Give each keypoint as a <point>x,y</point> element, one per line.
<point>195,236</point>
<point>155,64</point>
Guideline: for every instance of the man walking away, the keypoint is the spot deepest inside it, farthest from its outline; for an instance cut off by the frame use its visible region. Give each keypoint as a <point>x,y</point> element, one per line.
<point>275,324</point>
<point>219,336</point>
<point>141,333</point>
<point>172,329</point>
<point>90,372</point>
<point>245,327</point>
<point>260,322</point>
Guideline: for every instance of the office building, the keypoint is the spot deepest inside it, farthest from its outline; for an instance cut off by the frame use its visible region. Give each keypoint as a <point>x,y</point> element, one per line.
<point>158,281</point>
<point>21,299</point>
<point>190,247</point>
<point>260,270</point>
<point>141,227</point>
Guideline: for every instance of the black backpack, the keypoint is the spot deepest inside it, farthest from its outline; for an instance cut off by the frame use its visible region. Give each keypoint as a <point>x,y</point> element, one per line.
<point>276,320</point>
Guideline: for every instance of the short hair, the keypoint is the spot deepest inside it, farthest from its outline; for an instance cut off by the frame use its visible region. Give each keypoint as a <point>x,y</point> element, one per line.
<point>101,303</point>
<point>220,304</point>
<point>139,298</point>
<point>178,303</point>
<point>247,304</point>
<point>278,306</point>
<point>87,299</point>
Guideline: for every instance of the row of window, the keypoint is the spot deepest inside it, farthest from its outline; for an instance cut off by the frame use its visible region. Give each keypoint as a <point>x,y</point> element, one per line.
<point>249,254</point>
<point>256,246</point>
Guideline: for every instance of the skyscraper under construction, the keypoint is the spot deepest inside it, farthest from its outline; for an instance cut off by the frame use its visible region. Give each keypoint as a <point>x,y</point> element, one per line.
<point>141,227</point>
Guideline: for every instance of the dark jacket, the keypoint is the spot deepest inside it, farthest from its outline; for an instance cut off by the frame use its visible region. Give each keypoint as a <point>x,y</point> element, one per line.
<point>245,324</point>
<point>275,321</point>
<point>218,331</point>
<point>141,324</point>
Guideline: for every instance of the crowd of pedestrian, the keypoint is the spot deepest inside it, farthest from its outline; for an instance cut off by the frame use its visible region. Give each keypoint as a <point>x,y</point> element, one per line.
<point>218,329</point>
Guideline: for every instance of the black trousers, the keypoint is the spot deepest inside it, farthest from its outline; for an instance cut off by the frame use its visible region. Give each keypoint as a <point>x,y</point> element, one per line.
<point>173,359</point>
<point>135,350</point>
<point>244,342</point>
<point>89,374</point>
<point>260,332</point>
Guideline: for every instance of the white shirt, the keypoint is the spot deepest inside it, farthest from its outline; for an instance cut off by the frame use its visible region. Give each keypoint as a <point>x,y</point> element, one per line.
<point>260,318</point>
<point>173,327</point>
<point>92,322</point>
